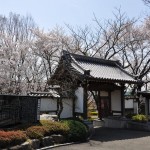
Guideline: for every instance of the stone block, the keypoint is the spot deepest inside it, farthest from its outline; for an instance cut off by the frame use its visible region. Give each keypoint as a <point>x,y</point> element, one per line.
<point>18,147</point>
<point>58,139</point>
<point>24,146</point>
<point>47,141</point>
<point>35,144</point>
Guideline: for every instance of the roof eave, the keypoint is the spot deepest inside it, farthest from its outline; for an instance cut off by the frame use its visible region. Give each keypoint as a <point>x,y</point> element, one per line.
<point>112,80</point>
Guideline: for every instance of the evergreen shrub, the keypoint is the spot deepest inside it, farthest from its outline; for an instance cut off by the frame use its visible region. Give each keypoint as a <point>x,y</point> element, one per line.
<point>77,130</point>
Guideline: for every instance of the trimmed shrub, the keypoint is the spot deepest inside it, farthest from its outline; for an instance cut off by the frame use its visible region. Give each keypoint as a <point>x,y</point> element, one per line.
<point>140,118</point>
<point>55,127</point>
<point>22,127</point>
<point>36,132</point>
<point>11,138</point>
<point>77,131</point>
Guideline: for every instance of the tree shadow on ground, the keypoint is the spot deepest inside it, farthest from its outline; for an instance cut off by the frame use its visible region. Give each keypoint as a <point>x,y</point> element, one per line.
<point>109,134</point>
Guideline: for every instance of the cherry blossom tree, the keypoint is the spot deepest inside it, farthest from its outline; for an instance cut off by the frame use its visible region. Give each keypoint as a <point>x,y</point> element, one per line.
<point>15,42</point>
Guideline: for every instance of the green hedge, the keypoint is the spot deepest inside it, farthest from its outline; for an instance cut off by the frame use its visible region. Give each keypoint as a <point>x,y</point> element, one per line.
<point>77,130</point>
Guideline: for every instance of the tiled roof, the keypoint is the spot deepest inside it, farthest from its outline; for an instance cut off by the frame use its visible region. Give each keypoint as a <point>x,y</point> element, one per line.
<point>100,68</point>
<point>51,93</point>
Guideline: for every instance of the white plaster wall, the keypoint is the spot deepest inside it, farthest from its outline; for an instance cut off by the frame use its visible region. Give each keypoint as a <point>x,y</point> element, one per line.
<point>135,107</point>
<point>103,93</point>
<point>48,104</point>
<point>79,100</point>
<point>129,103</point>
<point>116,100</point>
<point>67,108</point>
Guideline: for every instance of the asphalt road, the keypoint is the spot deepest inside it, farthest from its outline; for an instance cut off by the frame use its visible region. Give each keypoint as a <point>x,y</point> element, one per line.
<point>113,139</point>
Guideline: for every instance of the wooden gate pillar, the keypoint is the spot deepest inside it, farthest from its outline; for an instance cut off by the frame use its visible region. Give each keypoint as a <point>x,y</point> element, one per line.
<point>122,100</point>
<point>99,106</point>
<point>85,101</point>
<point>109,98</point>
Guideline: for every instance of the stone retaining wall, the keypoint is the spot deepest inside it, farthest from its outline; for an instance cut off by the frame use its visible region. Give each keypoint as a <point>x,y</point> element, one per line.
<point>36,143</point>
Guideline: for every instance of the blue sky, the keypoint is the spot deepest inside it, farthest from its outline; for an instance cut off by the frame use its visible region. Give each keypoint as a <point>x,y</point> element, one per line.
<point>49,13</point>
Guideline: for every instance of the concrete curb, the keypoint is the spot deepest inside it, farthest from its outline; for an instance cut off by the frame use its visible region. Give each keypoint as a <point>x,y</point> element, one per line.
<point>58,145</point>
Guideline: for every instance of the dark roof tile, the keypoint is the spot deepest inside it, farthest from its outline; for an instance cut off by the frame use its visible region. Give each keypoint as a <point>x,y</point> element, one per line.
<point>99,68</point>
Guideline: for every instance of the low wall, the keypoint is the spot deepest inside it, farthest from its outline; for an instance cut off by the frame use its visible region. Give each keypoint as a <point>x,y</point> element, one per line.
<point>138,126</point>
<point>98,123</point>
<point>114,122</point>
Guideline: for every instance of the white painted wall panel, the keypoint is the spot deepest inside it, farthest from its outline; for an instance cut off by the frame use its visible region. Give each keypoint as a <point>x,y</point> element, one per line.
<point>67,108</point>
<point>116,100</point>
<point>129,103</point>
<point>48,104</point>
<point>135,107</point>
<point>79,100</point>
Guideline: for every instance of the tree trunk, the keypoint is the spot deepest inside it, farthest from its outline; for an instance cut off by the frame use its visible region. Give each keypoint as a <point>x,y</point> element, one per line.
<point>60,107</point>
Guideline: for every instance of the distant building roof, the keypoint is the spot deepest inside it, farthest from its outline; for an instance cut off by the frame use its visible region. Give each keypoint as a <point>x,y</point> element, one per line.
<point>95,68</point>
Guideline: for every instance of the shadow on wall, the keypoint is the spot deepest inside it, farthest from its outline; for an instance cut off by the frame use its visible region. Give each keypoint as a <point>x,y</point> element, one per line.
<point>109,134</point>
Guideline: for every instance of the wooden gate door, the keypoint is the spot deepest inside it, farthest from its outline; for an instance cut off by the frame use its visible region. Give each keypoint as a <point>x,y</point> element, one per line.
<point>104,107</point>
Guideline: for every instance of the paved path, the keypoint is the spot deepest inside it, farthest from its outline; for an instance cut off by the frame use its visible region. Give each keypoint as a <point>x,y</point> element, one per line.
<point>114,139</point>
